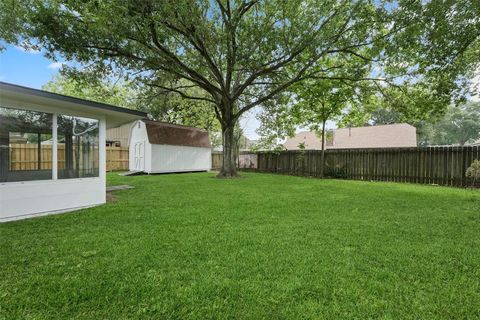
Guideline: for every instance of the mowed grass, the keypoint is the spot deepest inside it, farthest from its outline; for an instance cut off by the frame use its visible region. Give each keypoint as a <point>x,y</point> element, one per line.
<point>189,246</point>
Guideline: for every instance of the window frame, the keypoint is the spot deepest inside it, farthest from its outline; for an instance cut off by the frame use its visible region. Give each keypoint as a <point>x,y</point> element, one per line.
<point>55,112</point>
<point>98,121</point>
<point>9,164</point>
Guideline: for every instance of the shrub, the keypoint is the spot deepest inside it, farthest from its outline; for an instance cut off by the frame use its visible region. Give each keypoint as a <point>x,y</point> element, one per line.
<point>300,158</point>
<point>336,172</point>
<point>473,172</point>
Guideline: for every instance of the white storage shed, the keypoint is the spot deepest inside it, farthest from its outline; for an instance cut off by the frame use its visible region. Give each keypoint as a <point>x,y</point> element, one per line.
<point>159,147</point>
<point>52,151</point>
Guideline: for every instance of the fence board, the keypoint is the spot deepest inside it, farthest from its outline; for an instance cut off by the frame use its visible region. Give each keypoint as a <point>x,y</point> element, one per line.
<point>425,165</point>
<point>25,157</point>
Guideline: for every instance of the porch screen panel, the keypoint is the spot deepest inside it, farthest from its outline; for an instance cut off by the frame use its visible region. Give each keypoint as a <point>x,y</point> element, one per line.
<point>25,145</point>
<point>78,147</point>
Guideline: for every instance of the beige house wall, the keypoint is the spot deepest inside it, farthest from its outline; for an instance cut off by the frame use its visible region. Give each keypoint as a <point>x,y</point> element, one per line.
<point>382,136</point>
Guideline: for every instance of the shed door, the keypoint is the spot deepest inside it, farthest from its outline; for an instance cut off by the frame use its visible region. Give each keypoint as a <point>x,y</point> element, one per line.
<point>140,156</point>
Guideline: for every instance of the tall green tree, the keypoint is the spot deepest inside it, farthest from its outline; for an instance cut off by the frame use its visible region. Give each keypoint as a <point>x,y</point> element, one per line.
<point>320,101</point>
<point>459,126</point>
<point>242,53</point>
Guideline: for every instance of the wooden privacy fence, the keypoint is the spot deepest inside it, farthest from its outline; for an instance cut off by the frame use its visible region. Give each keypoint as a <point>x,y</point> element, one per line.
<point>117,159</point>
<point>24,156</point>
<point>217,158</point>
<point>245,160</point>
<point>429,165</point>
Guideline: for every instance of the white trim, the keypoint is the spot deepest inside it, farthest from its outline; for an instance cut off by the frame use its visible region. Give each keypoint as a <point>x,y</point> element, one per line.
<point>46,213</point>
<point>102,149</point>
<point>65,108</point>
<point>49,181</point>
<point>33,106</point>
<point>54,147</point>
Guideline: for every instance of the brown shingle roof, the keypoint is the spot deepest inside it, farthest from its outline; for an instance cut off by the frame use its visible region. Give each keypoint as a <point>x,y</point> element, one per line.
<point>396,135</point>
<point>311,140</point>
<point>381,136</point>
<point>172,134</point>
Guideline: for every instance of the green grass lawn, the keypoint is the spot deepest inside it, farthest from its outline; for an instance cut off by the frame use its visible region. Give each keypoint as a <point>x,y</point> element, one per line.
<point>265,246</point>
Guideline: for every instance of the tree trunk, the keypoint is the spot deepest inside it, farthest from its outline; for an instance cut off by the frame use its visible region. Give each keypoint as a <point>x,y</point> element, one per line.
<point>229,169</point>
<point>322,167</point>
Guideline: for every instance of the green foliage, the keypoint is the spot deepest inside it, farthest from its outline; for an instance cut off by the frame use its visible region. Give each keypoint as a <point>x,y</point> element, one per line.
<point>300,159</point>
<point>459,126</point>
<point>171,107</point>
<point>444,40</point>
<point>311,104</point>
<point>319,101</point>
<point>336,172</point>
<point>187,246</point>
<point>122,94</point>
<point>473,172</point>
<point>409,103</point>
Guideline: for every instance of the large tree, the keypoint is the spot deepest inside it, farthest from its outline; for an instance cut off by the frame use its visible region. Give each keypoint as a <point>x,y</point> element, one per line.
<point>241,53</point>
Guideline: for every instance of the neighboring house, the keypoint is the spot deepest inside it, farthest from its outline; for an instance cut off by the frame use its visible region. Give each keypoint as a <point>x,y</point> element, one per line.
<point>310,140</point>
<point>157,147</point>
<point>61,165</point>
<point>382,136</point>
<point>397,135</point>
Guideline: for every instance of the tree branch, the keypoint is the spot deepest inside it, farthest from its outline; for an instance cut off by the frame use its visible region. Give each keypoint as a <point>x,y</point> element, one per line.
<point>181,93</point>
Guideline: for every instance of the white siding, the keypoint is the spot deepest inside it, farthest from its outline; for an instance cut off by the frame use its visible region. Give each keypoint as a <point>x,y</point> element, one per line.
<point>20,200</point>
<point>167,158</point>
<point>24,199</point>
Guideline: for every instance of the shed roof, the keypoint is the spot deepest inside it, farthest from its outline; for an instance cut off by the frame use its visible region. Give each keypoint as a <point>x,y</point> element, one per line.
<point>177,135</point>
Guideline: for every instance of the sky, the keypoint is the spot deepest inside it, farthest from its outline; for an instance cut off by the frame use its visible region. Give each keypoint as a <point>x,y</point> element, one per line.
<point>26,68</point>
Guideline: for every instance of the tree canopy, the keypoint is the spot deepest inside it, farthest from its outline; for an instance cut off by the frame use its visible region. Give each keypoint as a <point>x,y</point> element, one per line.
<point>459,126</point>
<point>240,54</point>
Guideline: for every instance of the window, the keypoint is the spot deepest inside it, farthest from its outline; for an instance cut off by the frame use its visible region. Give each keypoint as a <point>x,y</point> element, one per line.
<point>25,145</point>
<point>78,152</point>
<point>111,143</point>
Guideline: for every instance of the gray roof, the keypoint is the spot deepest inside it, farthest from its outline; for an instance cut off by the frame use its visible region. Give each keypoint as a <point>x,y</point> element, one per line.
<point>60,97</point>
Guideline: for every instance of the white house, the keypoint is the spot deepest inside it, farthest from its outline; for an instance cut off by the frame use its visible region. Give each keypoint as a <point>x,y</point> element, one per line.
<point>158,147</point>
<point>52,151</point>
